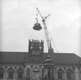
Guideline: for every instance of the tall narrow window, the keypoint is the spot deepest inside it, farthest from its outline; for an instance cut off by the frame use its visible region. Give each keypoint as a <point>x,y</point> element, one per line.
<point>49,75</point>
<point>60,74</point>
<point>1,73</point>
<point>45,74</point>
<point>28,74</point>
<point>10,73</point>
<point>52,74</point>
<point>69,74</point>
<point>20,74</point>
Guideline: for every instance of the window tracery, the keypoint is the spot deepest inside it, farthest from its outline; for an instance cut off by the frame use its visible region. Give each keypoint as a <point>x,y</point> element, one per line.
<point>69,74</point>
<point>20,73</point>
<point>28,74</point>
<point>60,74</point>
<point>10,73</point>
<point>1,73</point>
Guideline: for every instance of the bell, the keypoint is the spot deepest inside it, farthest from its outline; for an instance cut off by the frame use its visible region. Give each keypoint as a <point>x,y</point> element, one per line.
<point>37,26</point>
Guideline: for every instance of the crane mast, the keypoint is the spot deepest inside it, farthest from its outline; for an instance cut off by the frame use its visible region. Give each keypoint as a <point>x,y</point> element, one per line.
<point>46,34</point>
<point>46,31</point>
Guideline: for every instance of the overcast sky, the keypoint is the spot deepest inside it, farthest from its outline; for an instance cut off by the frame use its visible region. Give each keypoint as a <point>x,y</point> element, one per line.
<point>18,17</point>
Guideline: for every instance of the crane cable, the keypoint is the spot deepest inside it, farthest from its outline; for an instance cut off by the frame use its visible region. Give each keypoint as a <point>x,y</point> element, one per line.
<point>45,28</point>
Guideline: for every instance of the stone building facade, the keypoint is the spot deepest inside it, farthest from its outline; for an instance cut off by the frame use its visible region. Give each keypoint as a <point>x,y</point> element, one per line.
<point>38,65</point>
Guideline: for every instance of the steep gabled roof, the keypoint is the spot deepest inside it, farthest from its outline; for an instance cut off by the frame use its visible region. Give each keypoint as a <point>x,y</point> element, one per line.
<point>12,57</point>
<point>23,57</point>
<point>65,58</point>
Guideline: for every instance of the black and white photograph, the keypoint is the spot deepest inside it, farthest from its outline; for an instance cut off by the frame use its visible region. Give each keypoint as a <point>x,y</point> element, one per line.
<point>40,39</point>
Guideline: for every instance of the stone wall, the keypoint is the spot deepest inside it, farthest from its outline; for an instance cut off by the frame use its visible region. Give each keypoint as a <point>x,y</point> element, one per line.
<point>39,72</point>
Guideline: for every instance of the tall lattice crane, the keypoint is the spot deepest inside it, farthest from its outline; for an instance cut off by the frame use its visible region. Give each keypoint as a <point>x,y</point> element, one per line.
<point>38,27</point>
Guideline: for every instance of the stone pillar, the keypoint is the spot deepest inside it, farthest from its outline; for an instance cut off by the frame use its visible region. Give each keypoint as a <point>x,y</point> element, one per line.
<point>42,73</point>
<point>5,75</point>
<point>52,74</point>
<point>77,77</point>
<point>55,74</point>
<point>24,74</point>
<point>65,75</point>
<point>15,75</point>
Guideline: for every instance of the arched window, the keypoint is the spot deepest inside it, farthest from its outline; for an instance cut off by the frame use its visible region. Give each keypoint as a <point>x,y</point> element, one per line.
<point>80,73</point>
<point>60,74</point>
<point>20,73</point>
<point>28,74</point>
<point>10,73</point>
<point>44,73</point>
<point>1,73</point>
<point>49,75</point>
<point>69,74</point>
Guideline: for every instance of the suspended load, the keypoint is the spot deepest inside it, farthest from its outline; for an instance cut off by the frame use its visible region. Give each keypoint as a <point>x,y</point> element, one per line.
<point>37,26</point>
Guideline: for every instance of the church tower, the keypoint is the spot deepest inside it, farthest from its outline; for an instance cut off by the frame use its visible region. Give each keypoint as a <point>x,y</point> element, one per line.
<point>36,47</point>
